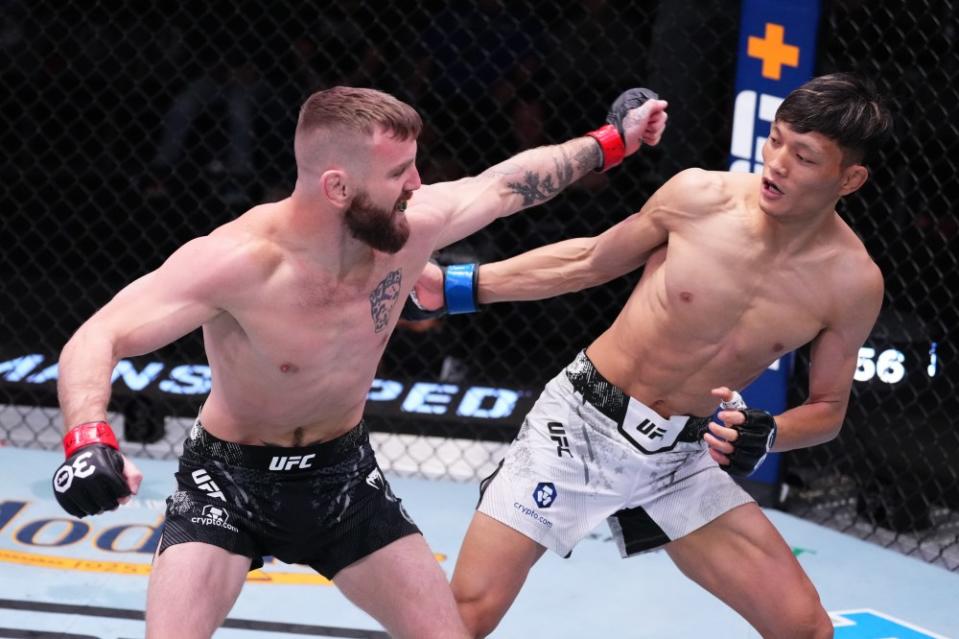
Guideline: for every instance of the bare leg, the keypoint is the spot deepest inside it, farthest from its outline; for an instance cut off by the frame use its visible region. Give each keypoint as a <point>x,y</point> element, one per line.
<point>742,559</point>
<point>403,587</point>
<point>192,588</point>
<point>492,567</point>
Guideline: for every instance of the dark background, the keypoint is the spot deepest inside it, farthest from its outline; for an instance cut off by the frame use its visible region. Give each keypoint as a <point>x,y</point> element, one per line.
<point>130,127</point>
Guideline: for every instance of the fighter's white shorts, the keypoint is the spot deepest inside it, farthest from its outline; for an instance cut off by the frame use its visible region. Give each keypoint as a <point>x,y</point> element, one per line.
<point>588,452</point>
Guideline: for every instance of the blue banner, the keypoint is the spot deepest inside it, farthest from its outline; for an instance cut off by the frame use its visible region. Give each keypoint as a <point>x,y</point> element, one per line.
<point>768,392</point>
<point>777,48</point>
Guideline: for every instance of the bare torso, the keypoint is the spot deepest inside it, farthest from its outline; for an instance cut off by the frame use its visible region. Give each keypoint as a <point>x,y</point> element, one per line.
<point>718,304</point>
<point>294,353</point>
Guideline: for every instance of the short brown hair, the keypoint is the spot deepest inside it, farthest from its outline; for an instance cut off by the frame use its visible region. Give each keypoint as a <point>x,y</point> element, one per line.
<point>357,110</point>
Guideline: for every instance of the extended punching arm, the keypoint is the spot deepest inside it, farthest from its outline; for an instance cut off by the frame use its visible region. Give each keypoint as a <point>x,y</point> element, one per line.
<point>612,137</point>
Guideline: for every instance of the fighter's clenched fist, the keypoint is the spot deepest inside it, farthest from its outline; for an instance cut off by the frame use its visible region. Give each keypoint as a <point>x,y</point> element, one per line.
<point>95,477</point>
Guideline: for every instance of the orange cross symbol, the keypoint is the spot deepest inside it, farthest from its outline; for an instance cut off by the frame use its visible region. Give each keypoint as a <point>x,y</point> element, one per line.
<point>773,51</point>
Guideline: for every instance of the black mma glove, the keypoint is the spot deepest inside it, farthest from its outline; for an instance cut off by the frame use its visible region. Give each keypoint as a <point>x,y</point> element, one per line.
<point>91,479</point>
<point>612,137</point>
<point>460,292</point>
<point>756,437</point>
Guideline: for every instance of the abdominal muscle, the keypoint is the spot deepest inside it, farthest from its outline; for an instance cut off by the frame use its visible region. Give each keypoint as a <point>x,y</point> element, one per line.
<point>670,360</point>
<point>315,396</point>
<point>667,380</point>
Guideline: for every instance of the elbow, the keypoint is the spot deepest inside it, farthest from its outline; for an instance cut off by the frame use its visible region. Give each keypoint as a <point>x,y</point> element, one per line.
<point>831,433</point>
<point>826,418</point>
<point>72,345</point>
<point>90,339</point>
<point>832,427</point>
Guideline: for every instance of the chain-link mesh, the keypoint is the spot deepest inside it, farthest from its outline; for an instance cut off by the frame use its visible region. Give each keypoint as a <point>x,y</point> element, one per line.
<point>892,476</point>
<point>132,127</point>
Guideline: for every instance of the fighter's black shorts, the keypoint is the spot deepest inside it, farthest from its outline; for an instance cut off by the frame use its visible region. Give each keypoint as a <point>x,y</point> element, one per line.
<point>324,506</point>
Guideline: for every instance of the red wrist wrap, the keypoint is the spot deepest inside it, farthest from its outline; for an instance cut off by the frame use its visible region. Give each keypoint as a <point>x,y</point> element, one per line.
<point>612,146</point>
<point>89,433</point>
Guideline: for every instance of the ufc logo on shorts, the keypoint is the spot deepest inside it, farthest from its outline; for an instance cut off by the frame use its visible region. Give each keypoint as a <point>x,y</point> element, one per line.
<point>294,461</point>
<point>651,430</point>
<point>205,483</point>
<point>557,432</point>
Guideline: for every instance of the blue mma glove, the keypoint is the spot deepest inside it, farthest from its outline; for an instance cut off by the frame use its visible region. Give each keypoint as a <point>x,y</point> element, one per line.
<point>460,292</point>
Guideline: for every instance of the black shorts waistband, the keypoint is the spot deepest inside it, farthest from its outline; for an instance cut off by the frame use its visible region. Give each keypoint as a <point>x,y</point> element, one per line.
<point>612,401</point>
<point>281,459</point>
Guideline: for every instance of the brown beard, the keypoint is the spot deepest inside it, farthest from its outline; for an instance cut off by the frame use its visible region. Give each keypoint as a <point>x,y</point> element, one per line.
<point>381,229</point>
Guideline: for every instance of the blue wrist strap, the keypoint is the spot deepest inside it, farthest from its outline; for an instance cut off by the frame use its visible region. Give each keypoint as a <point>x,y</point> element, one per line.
<point>459,286</point>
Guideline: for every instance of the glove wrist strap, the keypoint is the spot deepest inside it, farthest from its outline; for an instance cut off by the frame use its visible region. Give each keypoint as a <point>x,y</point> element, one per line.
<point>89,433</point>
<point>611,145</point>
<point>460,288</point>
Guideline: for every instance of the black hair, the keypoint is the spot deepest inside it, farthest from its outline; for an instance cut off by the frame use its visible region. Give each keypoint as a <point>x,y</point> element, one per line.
<point>843,107</point>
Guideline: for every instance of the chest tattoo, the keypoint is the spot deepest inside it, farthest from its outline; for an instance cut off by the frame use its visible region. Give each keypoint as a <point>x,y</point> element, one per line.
<point>384,297</point>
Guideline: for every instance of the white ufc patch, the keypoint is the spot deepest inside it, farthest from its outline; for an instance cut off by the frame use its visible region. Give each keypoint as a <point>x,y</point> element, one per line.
<point>647,431</point>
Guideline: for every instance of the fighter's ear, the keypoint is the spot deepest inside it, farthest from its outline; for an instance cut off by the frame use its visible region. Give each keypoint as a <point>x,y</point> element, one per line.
<point>854,176</point>
<point>336,188</point>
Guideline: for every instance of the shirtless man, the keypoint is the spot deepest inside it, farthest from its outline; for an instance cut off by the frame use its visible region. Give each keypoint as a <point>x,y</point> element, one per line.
<point>297,300</point>
<point>739,270</point>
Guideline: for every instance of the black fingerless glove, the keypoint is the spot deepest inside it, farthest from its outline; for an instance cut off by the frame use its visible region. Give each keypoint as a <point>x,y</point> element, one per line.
<point>612,137</point>
<point>91,479</point>
<point>756,437</point>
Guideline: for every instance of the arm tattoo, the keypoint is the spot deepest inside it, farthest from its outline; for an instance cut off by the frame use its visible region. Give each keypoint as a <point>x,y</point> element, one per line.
<point>589,158</point>
<point>536,188</point>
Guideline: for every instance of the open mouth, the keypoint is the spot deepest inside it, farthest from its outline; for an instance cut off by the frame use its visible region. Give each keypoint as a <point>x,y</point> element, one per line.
<point>401,203</point>
<point>771,187</point>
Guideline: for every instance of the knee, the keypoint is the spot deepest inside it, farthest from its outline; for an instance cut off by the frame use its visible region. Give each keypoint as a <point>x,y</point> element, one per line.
<point>822,627</point>
<point>480,610</point>
<point>809,621</point>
